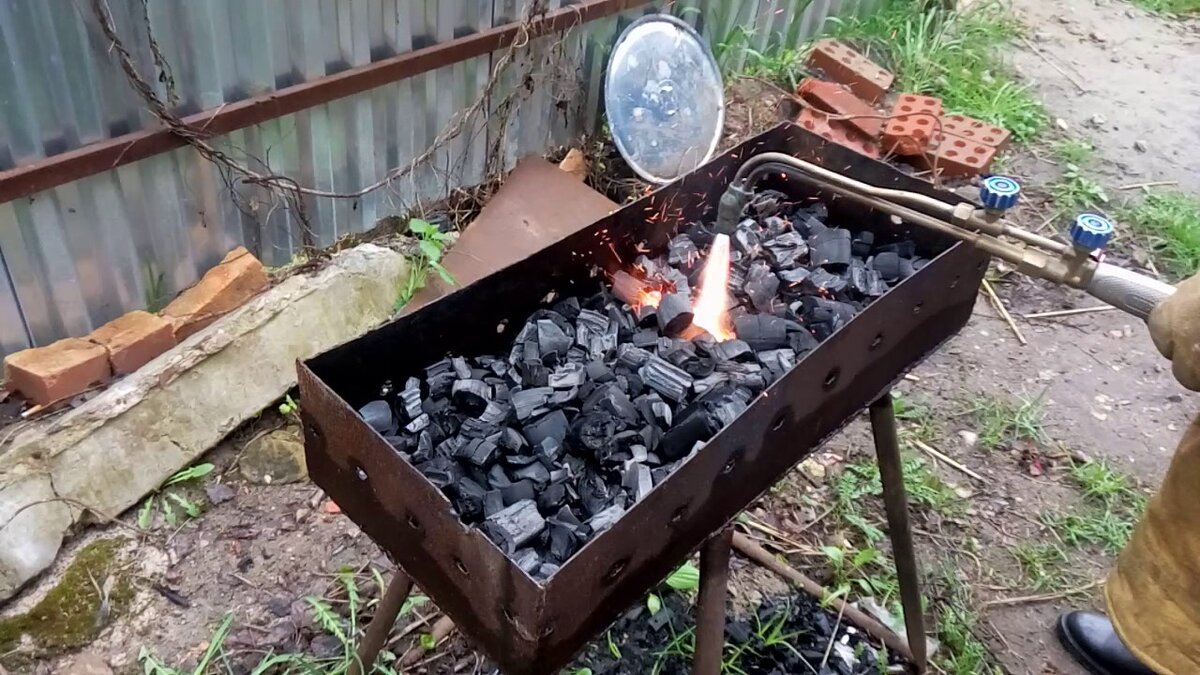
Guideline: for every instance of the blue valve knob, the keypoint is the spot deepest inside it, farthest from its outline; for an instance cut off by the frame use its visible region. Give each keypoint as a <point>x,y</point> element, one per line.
<point>1091,231</point>
<point>999,193</point>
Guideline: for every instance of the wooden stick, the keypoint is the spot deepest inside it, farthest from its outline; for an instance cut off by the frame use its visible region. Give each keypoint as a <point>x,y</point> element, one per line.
<point>1072,80</point>
<point>936,454</point>
<point>866,622</point>
<point>1069,312</point>
<point>1156,183</point>
<point>441,630</point>
<point>1008,602</point>
<point>999,305</point>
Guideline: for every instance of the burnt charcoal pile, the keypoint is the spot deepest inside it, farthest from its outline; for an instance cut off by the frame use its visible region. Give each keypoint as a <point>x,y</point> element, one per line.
<point>600,397</point>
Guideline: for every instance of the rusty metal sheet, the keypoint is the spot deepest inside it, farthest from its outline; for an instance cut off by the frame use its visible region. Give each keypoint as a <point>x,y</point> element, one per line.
<point>532,628</point>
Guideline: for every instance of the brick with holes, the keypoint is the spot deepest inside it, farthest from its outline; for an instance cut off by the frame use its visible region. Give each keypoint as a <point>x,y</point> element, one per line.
<point>839,101</point>
<point>912,124</point>
<point>842,64</point>
<point>837,132</point>
<point>955,156</point>
<point>974,130</point>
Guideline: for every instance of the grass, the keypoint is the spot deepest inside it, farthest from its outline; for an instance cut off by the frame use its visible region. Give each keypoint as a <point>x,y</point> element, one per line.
<point>1075,190</point>
<point>957,627</point>
<point>431,245</point>
<point>1109,510</point>
<point>1044,565</point>
<point>1072,151</point>
<point>955,56</point>
<point>917,421</point>
<point>1170,222</point>
<point>1005,422</point>
<point>1180,7</point>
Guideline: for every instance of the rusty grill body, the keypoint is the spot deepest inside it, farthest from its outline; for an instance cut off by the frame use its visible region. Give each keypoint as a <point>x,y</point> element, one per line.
<point>530,628</point>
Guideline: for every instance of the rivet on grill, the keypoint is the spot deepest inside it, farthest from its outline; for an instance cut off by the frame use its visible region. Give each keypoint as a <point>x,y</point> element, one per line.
<point>875,344</point>
<point>679,514</point>
<point>832,378</point>
<point>458,564</point>
<point>917,307</point>
<point>360,472</point>
<point>615,570</point>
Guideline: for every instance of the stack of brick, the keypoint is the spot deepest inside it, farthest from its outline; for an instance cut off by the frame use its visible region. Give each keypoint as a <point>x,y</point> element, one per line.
<point>63,370</point>
<point>841,108</point>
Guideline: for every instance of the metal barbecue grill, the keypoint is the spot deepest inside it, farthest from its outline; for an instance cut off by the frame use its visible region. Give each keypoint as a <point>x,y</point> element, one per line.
<point>528,627</point>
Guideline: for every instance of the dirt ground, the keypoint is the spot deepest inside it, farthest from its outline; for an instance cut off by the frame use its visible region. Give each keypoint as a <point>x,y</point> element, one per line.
<point>1105,391</point>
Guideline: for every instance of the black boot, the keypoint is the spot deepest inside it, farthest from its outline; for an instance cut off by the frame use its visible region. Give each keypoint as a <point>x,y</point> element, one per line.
<point>1091,639</point>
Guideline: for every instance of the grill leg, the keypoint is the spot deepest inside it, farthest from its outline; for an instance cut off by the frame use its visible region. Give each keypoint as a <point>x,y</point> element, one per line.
<point>381,624</point>
<point>710,614</point>
<point>895,500</point>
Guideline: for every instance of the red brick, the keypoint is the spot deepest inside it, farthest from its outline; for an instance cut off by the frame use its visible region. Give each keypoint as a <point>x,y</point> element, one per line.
<point>837,132</point>
<point>840,101</point>
<point>956,156</point>
<point>134,339</point>
<point>975,130</point>
<point>239,277</point>
<point>842,64</point>
<point>58,371</point>
<point>911,126</point>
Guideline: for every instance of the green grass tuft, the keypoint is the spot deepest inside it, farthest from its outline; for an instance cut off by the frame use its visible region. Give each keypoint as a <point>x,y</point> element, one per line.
<point>1110,509</point>
<point>1005,422</point>
<point>955,56</point>
<point>1170,222</point>
<point>1180,7</point>
<point>1044,565</point>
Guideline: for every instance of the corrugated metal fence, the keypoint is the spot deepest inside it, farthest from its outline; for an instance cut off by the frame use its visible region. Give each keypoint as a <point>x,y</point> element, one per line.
<point>83,253</point>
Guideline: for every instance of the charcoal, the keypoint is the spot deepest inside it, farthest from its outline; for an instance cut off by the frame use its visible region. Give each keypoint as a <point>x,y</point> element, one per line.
<point>520,459</point>
<point>637,480</point>
<point>706,384</point>
<point>419,424</point>
<point>830,249</point>
<point>905,249</point>
<point>553,425</point>
<point>511,440</point>
<point>450,445</point>
<point>526,559</point>
<point>807,225</point>
<point>378,415</point>
<point>661,473</point>
<point>461,369</point>
<point>746,239</point>
<point>604,519</point>
<point>665,378</point>
<point>594,496</point>
<point>778,361</point>
<point>730,349</point>
<point>787,249</point>
<point>674,314</point>
<point>761,331</point>
<point>519,491</point>
<point>682,252</point>
<point>468,497</point>
<point>691,427</point>
<point>424,447</point>
<point>498,478</point>
<point>552,496</point>
<point>493,502</point>
<point>536,472</point>
<point>598,371</point>
<point>643,339</point>
<point>613,401</point>
<point>768,202</point>
<point>906,268</point>
<point>678,352</point>
<point>866,281</point>
<point>629,289</point>
<point>749,375</point>
<point>494,414</point>
<point>567,375</point>
<point>561,397</point>
<point>548,451</point>
<point>552,339</point>
<point>802,341</point>
<point>677,280</point>
<point>794,277</point>
<point>861,244</point>
<point>440,377</point>
<point>479,452</point>
<point>761,286</point>
<point>529,402</point>
<point>441,471</point>
<point>475,428</point>
<point>410,398</point>
<point>887,264</point>
<point>568,308</point>
<point>593,431</point>
<point>471,396</point>
<point>594,321</point>
<point>774,226</point>
<point>824,282</point>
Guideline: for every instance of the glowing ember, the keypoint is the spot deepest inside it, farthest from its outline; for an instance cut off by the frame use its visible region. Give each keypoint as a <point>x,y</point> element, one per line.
<point>649,299</point>
<point>711,310</point>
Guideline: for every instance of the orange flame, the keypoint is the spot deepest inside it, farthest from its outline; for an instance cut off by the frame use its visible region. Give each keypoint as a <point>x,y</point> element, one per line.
<point>649,299</point>
<point>711,310</point>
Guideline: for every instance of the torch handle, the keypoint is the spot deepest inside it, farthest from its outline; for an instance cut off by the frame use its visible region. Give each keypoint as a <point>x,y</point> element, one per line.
<point>1134,293</point>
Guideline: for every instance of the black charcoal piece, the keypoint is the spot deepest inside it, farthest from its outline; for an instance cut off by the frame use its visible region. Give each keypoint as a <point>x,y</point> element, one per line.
<point>494,414</point>
<point>441,471</point>
<point>761,331</point>
<point>749,375</point>
<point>515,526</point>
<point>644,339</point>
<point>526,559</point>
<point>480,451</point>
<point>528,402</point>
<point>612,400</point>
<point>467,497</point>
<point>419,424</point>
<point>553,425</point>
<point>449,445</point>
<point>794,277</point>
<point>677,280</point>
<point>519,491</point>
<point>861,245</point>
<point>493,502</point>
<point>440,376</point>
<point>378,415</point>
<point>761,285</point>
<point>666,379</point>
<point>471,396</point>
<point>519,460</point>
<point>461,368</point>
<point>637,480</point>
<point>787,249</point>
<point>476,428</point>
<point>632,357</point>
<point>830,249</point>
<point>906,268</point>
<point>552,496</point>
<point>605,519</point>
<point>731,350</point>
<point>692,427</point>
<point>802,341</point>
<point>631,290</point>
<point>662,473</point>
<point>773,226</point>
<point>822,282</point>
<point>410,398</point>
<point>682,252</point>
<point>593,432</point>
<point>746,239</point>
<point>866,281</point>
<point>708,383</point>
<point>497,478</point>
<point>767,202</point>
<point>594,321</point>
<point>561,397</point>
<point>548,451</point>
<point>568,307</point>
<point>674,314</point>
<point>887,264</point>
<point>778,361</point>
<point>536,472</point>
<point>905,249</point>
<point>552,339</point>
<point>424,448</point>
<point>807,225</point>
<point>567,375</point>
<point>545,571</point>
<point>599,372</point>
<point>511,440</point>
